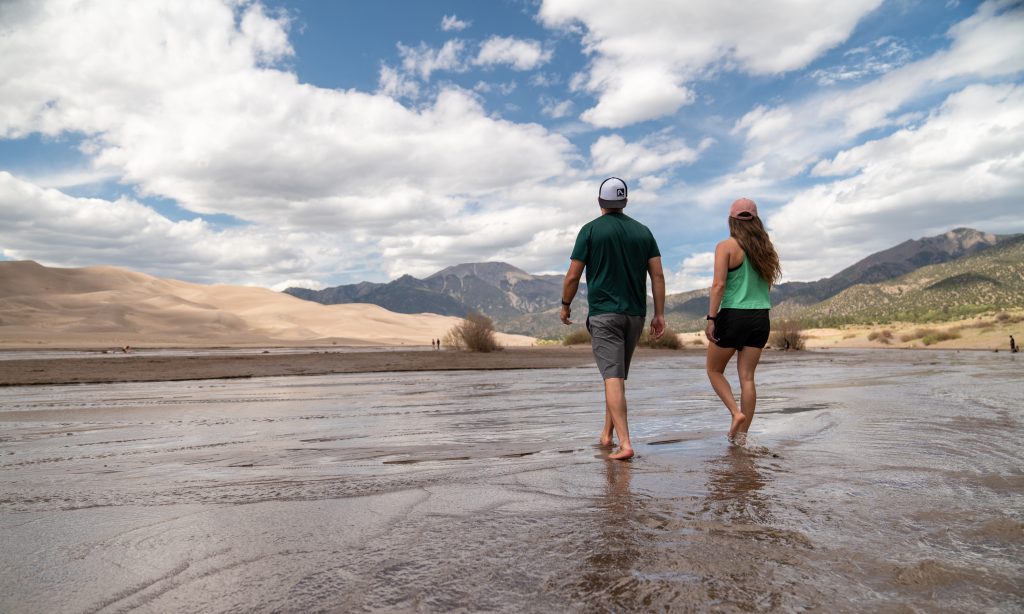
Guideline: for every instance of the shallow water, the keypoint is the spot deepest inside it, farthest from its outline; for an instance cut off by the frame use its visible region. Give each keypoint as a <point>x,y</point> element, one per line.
<point>874,481</point>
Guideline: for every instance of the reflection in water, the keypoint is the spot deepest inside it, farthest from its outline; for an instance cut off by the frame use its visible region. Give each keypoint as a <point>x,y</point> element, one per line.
<point>735,488</point>
<point>608,568</point>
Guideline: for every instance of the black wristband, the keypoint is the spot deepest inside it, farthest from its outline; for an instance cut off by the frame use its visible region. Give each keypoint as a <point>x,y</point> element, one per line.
<point>564,304</point>
<point>711,318</point>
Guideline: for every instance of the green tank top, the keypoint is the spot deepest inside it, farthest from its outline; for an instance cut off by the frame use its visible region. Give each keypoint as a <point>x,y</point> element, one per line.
<point>745,288</point>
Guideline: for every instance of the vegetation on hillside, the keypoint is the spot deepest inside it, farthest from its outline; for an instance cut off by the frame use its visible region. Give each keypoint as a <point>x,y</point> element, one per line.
<point>989,281</point>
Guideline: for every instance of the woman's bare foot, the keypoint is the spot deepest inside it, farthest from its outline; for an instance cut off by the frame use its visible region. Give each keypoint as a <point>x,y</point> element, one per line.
<point>622,454</point>
<point>606,443</point>
<point>737,421</point>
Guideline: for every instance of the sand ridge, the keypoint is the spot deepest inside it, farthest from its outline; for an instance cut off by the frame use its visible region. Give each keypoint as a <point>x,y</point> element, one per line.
<point>106,306</point>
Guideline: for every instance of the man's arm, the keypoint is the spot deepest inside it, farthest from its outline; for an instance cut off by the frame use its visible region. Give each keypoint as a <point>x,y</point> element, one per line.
<point>569,287</point>
<point>657,274</point>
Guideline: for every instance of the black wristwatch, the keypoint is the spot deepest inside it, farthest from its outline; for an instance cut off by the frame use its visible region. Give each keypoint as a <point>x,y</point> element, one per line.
<point>564,304</point>
<point>711,318</point>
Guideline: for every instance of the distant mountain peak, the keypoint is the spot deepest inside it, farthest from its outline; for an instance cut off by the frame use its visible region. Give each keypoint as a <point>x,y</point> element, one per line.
<point>497,289</point>
<point>483,270</point>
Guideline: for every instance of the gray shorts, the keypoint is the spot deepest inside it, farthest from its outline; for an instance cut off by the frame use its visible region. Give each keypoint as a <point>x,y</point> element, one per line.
<point>613,337</point>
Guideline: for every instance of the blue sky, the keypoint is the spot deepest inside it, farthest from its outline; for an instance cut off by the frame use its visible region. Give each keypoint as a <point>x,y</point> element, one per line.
<point>314,143</point>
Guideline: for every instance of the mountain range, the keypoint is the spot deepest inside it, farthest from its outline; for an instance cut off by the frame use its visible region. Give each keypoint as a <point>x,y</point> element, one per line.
<point>499,290</point>
<point>527,304</point>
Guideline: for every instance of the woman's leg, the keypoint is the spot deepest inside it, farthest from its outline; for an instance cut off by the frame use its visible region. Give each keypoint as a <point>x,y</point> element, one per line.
<point>718,358</point>
<point>746,364</point>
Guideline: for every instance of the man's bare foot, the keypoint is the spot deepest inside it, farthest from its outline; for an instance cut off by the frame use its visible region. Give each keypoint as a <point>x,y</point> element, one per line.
<point>622,454</point>
<point>737,422</point>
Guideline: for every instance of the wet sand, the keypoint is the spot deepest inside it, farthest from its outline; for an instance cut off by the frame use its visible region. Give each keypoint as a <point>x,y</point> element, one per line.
<point>152,365</point>
<point>874,481</point>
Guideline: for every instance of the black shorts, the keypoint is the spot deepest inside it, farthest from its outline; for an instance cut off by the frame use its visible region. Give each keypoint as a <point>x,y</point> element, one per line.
<point>740,328</point>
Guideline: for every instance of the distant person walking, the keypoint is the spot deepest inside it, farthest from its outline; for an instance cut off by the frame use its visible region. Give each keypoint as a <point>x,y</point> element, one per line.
<point>1013,346</point>
<point>746,265</point>
<point>618,254</point>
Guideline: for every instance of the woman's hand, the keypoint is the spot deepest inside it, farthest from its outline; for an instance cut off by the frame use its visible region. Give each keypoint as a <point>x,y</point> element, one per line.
<point>709,331</point>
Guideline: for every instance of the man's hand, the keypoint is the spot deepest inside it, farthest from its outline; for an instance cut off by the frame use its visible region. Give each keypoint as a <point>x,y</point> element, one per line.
<point>658,327</point>
<point>709,331</point>
<point>566,313</point>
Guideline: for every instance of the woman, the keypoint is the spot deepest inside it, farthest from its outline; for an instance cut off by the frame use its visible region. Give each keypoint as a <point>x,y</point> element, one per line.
<point>746,265</point>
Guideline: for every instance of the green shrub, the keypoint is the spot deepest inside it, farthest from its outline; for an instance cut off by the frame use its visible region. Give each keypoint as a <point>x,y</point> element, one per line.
<point>938,336</point>
<point>475,333</point>
<point>668,341</point>
<point>881,336</point>
<point>787,335</point>
<point>576,337</point>
<point>918,334</point>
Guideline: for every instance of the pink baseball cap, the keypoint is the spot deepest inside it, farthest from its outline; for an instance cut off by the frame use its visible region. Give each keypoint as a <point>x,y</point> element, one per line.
<point>743,209</point>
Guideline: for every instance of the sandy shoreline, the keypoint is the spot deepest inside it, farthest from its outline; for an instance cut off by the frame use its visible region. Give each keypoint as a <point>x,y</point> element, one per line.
<point>143,368</point>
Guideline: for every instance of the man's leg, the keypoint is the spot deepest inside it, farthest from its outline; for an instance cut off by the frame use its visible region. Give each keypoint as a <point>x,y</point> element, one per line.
<point>609,427</point>
<point>718,358</point>
<point>615,403</point>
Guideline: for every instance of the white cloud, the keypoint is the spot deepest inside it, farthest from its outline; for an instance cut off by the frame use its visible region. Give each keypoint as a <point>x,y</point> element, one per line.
<point>179,102</point>
<point>451,22</point>
<point>789,137</point>
<point>612,154</point>
<point>880,57</point>
<point>74,177</point>
<point>646,52</point>
<point>543,79</point>
<point>424,59</point>
<point>963,166</point>
<point>652,183</point>
<point>311,284</point>
<point>504,89</point>
<point>517,53</point>
<point>396,84</point>
<point>719,192</point>
<point>555,109</point>
<point>695,272</point>
<point>53,228</point>
<point>530,226</point>
<point>225,136</point>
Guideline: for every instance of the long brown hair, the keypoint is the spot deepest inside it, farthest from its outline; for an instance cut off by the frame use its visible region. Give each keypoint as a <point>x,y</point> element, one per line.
<point>754,241</point>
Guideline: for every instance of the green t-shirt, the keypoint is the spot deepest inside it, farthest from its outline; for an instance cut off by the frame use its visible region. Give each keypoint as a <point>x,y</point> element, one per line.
<point>615,249</point>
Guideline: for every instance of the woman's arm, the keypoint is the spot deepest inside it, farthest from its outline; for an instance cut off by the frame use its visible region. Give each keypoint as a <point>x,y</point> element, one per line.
<point>717,286</point>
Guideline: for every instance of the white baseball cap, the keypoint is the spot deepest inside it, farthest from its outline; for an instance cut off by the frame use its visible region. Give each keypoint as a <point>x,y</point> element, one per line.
<point>612,193</point>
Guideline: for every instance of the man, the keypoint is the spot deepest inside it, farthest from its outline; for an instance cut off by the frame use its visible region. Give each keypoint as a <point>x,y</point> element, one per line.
<point>618,254</point>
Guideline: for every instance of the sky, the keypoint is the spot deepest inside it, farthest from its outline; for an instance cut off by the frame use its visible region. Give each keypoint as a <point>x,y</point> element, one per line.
<point>304,143</point>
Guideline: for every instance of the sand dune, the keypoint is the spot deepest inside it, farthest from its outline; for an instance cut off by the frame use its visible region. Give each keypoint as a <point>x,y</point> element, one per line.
<point>109,306</point>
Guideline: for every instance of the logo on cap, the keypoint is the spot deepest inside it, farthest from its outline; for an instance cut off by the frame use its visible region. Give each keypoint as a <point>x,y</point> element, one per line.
<point>620,192</point>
